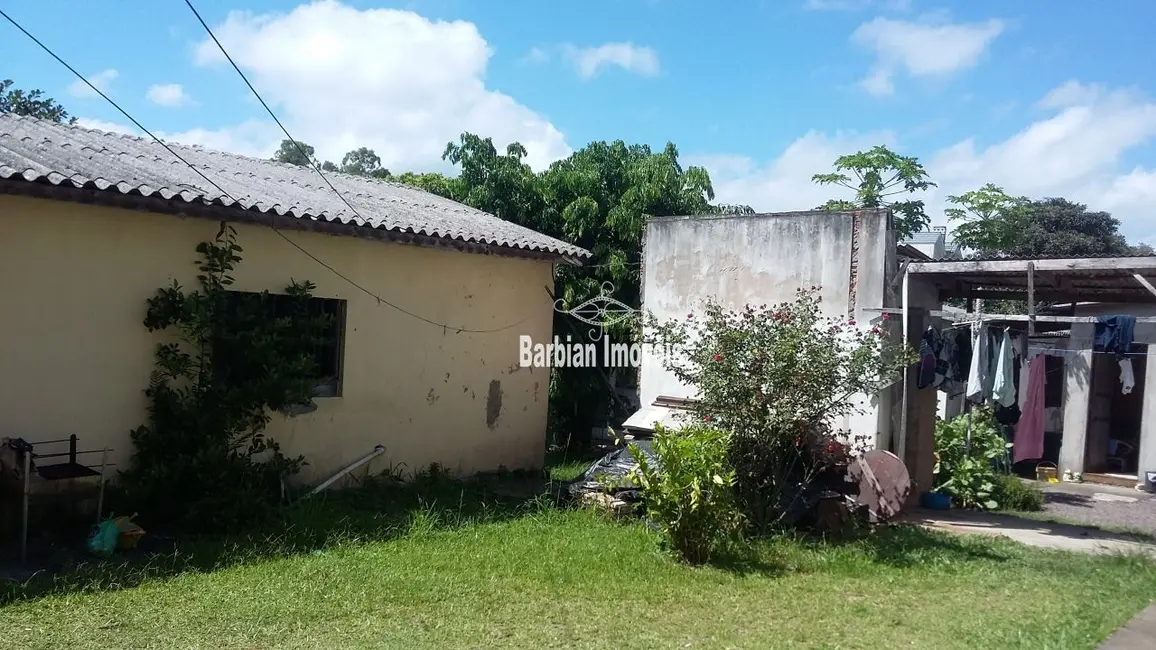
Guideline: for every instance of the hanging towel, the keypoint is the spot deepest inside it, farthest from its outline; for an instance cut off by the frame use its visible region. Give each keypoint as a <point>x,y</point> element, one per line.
<point>1003,391</point>
<point>1029,432</point>
<point>1114,334</point>
<point>1127,378</point>
<point>977,375</point>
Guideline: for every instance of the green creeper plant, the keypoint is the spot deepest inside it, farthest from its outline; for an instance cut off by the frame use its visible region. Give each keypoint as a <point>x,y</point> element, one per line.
<point>204,461</point>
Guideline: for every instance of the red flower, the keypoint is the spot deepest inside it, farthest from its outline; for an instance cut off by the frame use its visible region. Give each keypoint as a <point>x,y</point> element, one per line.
<point>718,357</point>
<point>690,315</point>
<point>706,419</point>
<point>851,323</point>
<point>886,316</point>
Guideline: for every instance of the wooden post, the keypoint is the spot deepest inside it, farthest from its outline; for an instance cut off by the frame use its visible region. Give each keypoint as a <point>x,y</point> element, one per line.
<point>901,444</point>
<point>100,497</point>
<point>27,496</point>
<point>1031,298</point>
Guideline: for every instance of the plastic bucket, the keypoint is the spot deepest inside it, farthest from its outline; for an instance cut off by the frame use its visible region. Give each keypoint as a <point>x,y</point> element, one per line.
<point>935,501</point>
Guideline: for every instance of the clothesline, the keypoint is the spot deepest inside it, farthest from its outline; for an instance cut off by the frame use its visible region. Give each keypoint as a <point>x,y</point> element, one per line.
<point>1034,348</point>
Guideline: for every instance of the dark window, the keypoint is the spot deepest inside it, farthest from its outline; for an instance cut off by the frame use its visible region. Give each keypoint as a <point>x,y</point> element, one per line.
<point>327,353</point>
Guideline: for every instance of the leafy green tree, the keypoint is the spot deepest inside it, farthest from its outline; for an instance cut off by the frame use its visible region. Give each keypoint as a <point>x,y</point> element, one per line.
<point>876,177</point>
<point>32,103</point>
<point>363,161</point>
<point>293,154</point>
<point>997,225</point>
<point>990,221</point>
<point>598,198</point>
<point>434,183</point>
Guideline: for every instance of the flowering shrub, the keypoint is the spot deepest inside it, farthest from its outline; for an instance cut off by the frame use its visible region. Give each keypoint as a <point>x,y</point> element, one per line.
<point>778,378</point>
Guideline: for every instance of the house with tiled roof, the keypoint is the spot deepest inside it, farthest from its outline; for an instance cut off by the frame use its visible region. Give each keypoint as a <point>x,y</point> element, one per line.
<point>429,298</point>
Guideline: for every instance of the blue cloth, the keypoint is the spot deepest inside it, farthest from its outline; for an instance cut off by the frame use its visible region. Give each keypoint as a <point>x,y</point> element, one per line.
<point>1114,334</point>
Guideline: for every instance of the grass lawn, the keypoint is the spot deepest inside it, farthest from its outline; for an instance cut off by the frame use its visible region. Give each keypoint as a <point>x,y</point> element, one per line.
<point>391,568</point>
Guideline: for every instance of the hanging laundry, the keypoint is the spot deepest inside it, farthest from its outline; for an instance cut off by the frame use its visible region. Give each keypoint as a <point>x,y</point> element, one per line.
<point>980,367</point>
<point>1114,334</point>
<point>928,346</point>
<point>1127,378</point>
<point>1029,431</point>
<point>943,376</point>
<point>991,355</point>
<point>1003,386</point>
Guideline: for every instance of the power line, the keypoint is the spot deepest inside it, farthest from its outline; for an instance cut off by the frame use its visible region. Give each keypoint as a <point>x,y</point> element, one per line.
<point>222,190</point>
<point>273,115</point>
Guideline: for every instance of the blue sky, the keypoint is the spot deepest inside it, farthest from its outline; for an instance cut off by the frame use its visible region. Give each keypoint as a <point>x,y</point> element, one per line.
<point>1043,98</point>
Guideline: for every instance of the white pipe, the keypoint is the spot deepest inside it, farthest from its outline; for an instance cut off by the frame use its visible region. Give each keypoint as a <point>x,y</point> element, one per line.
<point>377,451</point>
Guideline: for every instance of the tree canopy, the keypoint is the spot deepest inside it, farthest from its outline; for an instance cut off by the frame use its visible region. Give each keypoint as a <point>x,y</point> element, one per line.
<point>32,103</point>
<point>994,224</point>
<point>881,178</point>
<point>299,154</point>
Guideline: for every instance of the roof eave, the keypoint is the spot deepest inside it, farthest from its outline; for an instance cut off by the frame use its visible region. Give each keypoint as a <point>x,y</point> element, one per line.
<point>238,214</point>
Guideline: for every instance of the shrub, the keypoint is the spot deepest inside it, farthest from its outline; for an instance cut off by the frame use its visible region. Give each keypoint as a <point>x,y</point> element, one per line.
<point>203,461</point>
<point>777,378</point>
<point>1012,493</point>
<point>689,492</point>
<point>969,476</point>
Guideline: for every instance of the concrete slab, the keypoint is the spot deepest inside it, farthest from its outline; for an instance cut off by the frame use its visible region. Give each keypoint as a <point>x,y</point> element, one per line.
<point>1138,634</point>
<point>1031,533</point>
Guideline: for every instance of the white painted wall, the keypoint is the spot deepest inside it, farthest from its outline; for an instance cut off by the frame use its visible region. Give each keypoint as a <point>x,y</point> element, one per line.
<point>764,259</point>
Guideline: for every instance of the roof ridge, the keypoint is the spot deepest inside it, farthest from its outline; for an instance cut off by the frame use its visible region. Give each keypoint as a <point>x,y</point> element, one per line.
<point>140,166</point>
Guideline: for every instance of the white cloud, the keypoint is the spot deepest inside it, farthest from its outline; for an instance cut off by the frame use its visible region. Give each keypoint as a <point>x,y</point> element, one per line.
<point>101,125</point>
<point>1073,152</point>
<point>922,49</point>
<point>101,80</point>
<point>784,184</point>
<point>536,56</point>
<point>589,61</point>
<point>391,80</point>
<point>255,138</point>
<point>168,95</point>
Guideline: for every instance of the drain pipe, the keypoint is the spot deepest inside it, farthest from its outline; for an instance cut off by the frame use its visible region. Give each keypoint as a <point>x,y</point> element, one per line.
<point>377,451</point>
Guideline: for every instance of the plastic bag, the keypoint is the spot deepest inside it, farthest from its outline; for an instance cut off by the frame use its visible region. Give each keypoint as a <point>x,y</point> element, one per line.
<point>103,539</point>
<point>129,532</point>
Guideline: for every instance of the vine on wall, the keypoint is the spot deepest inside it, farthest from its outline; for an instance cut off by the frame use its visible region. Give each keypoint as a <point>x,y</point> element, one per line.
<point>203,461</point>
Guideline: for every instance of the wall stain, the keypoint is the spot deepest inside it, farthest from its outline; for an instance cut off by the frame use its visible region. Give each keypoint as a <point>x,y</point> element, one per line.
<point>465,388</point>
<point>494,403</point>
<point>535,391</point>
<point>447,379</point>
<point>430,397</point>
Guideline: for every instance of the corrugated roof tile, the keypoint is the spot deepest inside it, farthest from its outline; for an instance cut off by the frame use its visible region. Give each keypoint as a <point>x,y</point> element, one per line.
<point>40,150</point>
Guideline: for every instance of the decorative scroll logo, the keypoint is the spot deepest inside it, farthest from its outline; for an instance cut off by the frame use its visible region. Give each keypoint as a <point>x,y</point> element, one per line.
<point>600,312</point>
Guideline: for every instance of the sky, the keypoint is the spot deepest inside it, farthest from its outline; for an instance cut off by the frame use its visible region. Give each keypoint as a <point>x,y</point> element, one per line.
<point>1043,98</point>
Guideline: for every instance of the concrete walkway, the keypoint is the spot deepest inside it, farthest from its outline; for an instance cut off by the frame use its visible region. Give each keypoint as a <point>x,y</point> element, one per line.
<point>1138,634</point>
<point>1032,533</point>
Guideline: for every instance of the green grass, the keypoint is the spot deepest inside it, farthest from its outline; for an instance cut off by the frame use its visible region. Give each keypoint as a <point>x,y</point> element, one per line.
<point>457,567</point>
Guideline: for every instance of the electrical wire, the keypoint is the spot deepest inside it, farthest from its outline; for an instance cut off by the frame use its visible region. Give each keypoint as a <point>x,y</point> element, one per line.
<point>300,149</point>
<point>220,189</point>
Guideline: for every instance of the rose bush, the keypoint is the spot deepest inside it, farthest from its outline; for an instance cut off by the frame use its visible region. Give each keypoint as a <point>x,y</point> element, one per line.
<point>778,379</point>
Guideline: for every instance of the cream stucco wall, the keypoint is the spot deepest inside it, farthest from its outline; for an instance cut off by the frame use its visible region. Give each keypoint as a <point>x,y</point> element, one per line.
<point>75,357</point>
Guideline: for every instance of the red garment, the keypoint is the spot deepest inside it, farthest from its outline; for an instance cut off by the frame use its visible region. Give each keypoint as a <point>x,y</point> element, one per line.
<point>1029,435</point>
